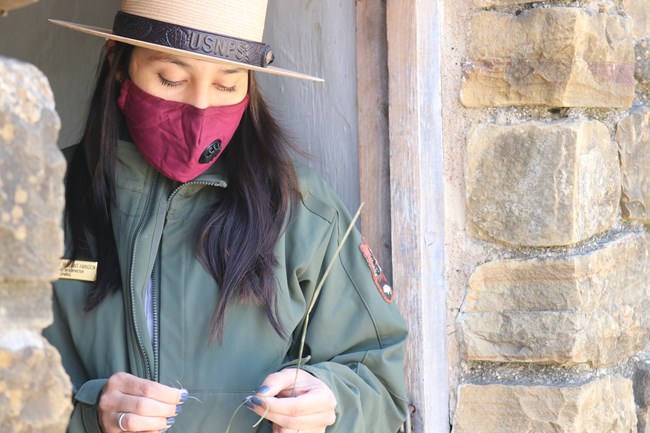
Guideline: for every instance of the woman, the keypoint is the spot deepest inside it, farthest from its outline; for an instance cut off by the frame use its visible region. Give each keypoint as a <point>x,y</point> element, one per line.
<point>208,244</point>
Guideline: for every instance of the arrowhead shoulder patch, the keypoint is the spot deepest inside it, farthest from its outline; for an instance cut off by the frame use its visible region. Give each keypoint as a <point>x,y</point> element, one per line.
<point>378,276</point>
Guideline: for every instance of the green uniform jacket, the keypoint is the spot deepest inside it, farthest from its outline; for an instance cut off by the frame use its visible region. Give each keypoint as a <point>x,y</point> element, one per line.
<point>355,338</point>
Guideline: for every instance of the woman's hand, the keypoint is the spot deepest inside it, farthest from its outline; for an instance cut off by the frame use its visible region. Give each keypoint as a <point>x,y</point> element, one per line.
<point>147,406</point>
<point>310,409</point>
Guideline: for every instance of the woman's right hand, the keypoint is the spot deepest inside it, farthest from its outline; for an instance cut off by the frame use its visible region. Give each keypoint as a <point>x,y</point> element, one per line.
<point>148,406</point>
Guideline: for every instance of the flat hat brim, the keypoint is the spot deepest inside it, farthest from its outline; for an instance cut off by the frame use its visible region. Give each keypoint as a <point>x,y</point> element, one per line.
<point>108,34</point>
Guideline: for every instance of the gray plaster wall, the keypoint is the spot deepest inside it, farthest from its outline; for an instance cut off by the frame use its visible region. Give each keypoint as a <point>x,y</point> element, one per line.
<point>309,36</point>
<point>68,59</point>
<point>319,38</point>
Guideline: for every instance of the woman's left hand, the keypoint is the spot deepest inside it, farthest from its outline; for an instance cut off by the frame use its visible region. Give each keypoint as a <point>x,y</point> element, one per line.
<point>310,409</point>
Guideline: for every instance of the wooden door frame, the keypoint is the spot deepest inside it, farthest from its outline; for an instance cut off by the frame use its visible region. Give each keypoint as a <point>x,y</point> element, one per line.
<point>402,182</point>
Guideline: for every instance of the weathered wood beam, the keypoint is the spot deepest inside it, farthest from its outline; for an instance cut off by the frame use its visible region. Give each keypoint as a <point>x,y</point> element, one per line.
<point>372,94</point>
<point>417,202</point>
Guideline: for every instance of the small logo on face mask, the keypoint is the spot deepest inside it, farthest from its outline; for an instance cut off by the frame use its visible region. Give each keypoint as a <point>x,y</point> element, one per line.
<point>211,151</point>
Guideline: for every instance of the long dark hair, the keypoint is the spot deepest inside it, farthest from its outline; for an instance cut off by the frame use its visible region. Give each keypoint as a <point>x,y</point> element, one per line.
<point>238,234</point>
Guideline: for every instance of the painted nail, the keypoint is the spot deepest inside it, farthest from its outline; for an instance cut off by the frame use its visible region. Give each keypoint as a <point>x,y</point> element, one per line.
<point>256,401</point>
<point>184,397</point>
<point>262,390</point>
<point>171,420</point>
<point>179,409</point>
<point>248,403</point>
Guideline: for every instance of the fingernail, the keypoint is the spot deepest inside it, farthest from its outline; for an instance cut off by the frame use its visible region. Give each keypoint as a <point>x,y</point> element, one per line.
<point>179,409</point>
<point>262,390</point>
<point>248,403</point>
<point>256,401</point>
<point>184,396</point>
<point>171,420</point>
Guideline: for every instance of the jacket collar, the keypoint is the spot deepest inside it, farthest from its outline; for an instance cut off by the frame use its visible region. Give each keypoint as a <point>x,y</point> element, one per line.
<point>135,173</point>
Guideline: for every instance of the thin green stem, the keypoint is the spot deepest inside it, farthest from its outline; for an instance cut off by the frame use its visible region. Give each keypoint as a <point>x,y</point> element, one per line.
<point>232,417</point>
<point>265,412</point>
<point>319,287</point>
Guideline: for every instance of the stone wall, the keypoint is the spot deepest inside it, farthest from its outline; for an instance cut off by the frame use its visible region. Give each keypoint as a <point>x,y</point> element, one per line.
<point>554,327</point>
<point>35,392</point>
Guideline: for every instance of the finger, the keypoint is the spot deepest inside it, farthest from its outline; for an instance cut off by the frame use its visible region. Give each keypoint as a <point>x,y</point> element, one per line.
<point>292,413</point>
<point>144,406</point>
<point>285,381</point>
<point>136,423</point>
<point>136,386</point>
<point>315,401</point>
<point>278,429</point>
<point>318,421</point>
<point>294,391</point>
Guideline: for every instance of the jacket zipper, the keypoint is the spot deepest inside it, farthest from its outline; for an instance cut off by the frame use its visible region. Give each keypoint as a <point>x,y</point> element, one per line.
<point>153,375</point>
<point>193,182</point>
<point>154,313</point>
<point>145,218</point>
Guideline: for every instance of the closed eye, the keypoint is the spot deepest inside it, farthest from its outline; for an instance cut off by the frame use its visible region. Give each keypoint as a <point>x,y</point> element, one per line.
<point>225,88</point>
<point>168,83</point>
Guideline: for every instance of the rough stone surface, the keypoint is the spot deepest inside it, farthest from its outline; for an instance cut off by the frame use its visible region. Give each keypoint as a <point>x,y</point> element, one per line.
<point>642,386</point>
<point>643,415</point>
<point>25,304</point>
<point>602,5</point>
<point>497,3</point>
<point>538,184</point>
<point>642,56</point>
<point>35,393</point>
<point>640,14</point>
<point>603,406</point>
<point>593,307</point>
<point>588,61</point>
<point>31,173</point>
<point>633,136</point>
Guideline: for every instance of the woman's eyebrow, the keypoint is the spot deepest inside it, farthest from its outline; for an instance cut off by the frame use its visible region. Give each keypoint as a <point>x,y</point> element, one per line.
<point>161,57</point>
<point>233,71</point>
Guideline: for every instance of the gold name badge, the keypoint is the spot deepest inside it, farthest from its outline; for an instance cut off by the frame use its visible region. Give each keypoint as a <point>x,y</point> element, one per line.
<point>78,270</point>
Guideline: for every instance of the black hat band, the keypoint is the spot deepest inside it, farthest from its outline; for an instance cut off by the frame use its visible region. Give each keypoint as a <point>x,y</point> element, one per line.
<point>192,40</point>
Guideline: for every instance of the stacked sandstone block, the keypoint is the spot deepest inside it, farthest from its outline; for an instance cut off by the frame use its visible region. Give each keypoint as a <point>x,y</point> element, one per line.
<point>561,316</point>
<point>35,392</point>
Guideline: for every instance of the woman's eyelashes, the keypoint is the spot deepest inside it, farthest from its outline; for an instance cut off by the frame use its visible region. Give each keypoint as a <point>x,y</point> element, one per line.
<point>169,83</point>
<point>220,87</point>
<point>225,88</point>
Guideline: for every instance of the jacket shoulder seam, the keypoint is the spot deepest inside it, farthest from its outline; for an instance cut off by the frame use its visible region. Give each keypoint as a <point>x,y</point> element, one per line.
<point>318,207</point>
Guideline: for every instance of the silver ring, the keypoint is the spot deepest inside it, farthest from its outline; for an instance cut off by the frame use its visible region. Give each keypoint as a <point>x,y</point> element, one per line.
<point>119,421</point>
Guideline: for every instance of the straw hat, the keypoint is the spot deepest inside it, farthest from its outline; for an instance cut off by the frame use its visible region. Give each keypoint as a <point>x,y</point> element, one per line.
<point>7,5</point>
<point>228,31</point>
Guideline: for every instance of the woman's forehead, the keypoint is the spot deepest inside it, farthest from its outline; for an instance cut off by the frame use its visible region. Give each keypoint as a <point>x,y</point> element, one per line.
<point>187,62</point>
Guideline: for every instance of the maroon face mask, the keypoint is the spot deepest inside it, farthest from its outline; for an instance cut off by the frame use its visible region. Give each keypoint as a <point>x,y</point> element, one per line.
<point>179,140</point>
